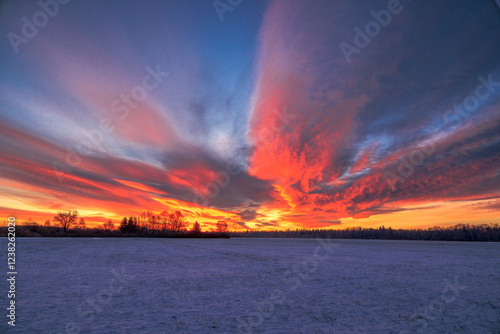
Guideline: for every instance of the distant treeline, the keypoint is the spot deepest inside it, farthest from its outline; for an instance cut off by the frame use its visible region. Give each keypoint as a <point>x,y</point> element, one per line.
<point>174,225</point>
<point>462,232</point>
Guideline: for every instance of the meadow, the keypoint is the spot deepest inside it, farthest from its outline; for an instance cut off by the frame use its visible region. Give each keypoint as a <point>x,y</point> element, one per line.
<point>254,285</point>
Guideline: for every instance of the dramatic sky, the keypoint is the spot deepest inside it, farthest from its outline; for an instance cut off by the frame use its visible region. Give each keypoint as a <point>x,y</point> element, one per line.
<point>263,114</point>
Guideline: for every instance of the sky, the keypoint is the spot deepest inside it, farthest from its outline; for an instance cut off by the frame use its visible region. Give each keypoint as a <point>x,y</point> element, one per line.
<point>263,114</point>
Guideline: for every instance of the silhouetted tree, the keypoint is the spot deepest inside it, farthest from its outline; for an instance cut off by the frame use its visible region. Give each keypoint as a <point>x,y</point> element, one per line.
<point>66,220</point>
<point>149,220</point>
<point>142,220</point>
<point>47,223</point>
<point>81,223</point>
<point>177,222</point>
<point>132,224</point>
<point>221,226</point>
<point>163,219</point>
<point>196,227</point>
<point>108,226</point>
<point>123,225</point>
<point>129,225</point>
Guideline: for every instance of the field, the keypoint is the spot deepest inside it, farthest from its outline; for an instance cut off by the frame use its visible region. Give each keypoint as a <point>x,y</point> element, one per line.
<point>253,286</point>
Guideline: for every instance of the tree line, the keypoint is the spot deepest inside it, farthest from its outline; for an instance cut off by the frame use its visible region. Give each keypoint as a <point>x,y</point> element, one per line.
<point>174,223</point>
<point>165,224</point>
<point>460,232</point>
<point>146,224</point>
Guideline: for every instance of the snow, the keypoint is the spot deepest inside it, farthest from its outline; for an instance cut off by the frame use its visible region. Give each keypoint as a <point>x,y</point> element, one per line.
<point>253,286</point>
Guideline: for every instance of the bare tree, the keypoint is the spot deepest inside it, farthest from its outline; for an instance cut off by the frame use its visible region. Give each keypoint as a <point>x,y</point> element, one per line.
<point>163,219</point>
<point>66,220</point>
<point>177,222</point>
<point>81,224</point>
<point>154,222</point>
<point>221,226</point>
<point>109,225</point>
<point>149,219</point>
<point>142,220</point>
<point>47,223</point>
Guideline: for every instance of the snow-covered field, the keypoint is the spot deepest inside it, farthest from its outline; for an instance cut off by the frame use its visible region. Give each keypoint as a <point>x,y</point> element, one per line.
<point>253,286</point>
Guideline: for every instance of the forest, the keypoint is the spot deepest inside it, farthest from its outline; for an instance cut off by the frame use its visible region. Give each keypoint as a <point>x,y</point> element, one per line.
<point>460,232</point>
